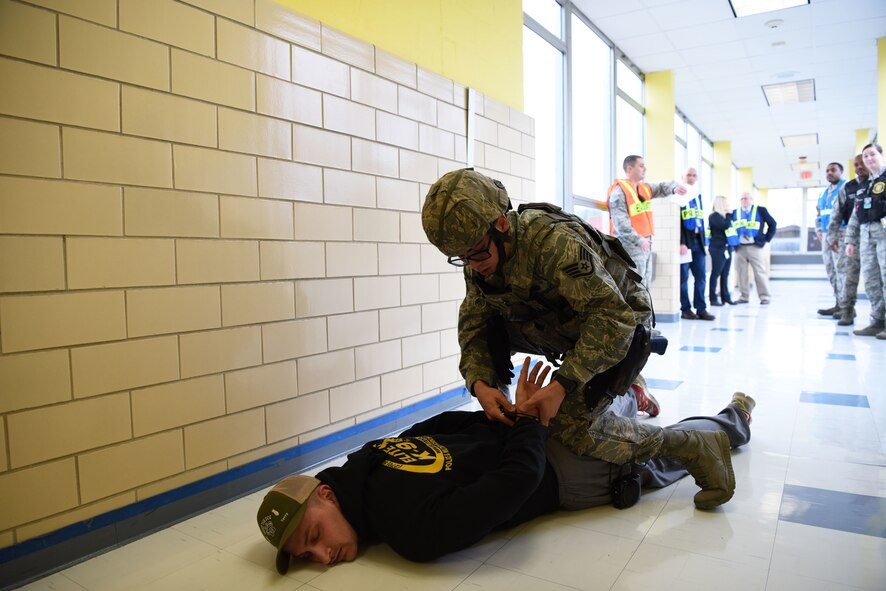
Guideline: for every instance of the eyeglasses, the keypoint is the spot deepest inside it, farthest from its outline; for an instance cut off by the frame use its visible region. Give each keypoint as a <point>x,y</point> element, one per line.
<point>479,254</point>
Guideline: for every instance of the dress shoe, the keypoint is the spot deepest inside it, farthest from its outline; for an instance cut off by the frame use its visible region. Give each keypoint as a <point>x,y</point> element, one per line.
<point>764,302</point>
<point>741,301</point>
<point>688,315</point>
<point>715,301</point>
<point>705,315</point>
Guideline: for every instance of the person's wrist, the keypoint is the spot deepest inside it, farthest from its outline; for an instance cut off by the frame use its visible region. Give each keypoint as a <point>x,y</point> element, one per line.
<point>569,386</point>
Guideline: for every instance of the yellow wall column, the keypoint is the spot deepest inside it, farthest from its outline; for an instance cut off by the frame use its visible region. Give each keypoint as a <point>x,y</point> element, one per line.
<point>478,44</point>
<point>660,108</point>
<point>881,88</point>
<point>763,197</point>
<point>745,181</point>
<point>862,138</point>
<point>723,171</point>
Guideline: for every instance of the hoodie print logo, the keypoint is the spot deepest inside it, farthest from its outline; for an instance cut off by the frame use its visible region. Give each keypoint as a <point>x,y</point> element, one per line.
<point>415,454</point>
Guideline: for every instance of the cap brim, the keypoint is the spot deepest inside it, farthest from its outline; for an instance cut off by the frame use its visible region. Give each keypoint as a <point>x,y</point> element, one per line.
<point>284,559</point>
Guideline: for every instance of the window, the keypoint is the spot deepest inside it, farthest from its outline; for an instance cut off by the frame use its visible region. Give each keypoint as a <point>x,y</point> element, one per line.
<point>546,13</point>
<point>813,244</point>
<point>591,119</point>
<point>543,101</point>
<point>628,132</point>
<point>786,206</point>
<point>629,82</point>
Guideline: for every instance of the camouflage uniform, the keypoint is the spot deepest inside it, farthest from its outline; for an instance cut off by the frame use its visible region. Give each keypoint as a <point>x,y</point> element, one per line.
<point>624,231</point>
<point>870,239</point>
<point>830,258</point>
<point>847,266</point>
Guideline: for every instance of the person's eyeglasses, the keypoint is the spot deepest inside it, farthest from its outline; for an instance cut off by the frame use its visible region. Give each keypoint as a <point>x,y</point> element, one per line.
<point>480,254</point>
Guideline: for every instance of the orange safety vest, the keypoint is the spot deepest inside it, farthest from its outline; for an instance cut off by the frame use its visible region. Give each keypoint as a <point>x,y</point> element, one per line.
<point>639,207</point>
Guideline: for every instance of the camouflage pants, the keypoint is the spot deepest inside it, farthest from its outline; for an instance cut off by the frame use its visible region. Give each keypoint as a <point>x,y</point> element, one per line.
<point>848,268</point>
<point>831,259</point>
<point>873,266</point>
<point>602,434</point>
<point>643,261</point>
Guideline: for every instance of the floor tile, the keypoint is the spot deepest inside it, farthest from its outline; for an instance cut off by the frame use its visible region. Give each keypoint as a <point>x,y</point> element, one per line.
<point>849,512</point>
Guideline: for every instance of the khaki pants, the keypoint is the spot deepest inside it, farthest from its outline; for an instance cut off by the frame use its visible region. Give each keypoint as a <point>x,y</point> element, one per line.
<point>750,254</point>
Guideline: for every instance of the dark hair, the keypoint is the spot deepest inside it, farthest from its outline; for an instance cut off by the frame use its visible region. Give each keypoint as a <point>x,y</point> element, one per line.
<point>837,164</point>
<point>874,146</point>
<point>630,161</point>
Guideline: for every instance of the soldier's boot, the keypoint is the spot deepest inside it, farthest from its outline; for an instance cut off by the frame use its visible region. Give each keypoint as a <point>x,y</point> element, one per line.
<point>847,316</point>
<point>705,454</point>
<point>876,327</point>
<point>829,311</point>
<point>744,403</point>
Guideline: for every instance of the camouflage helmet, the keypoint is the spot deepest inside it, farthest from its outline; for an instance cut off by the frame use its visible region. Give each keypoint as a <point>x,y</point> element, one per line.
<point>460,208</point>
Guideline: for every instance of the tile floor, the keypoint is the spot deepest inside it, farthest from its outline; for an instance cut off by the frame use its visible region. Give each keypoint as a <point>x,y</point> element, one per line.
<point>809,511</point>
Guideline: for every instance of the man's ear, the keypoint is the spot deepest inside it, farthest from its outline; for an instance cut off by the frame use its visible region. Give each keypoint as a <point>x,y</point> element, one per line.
<point>502,224</point>
<point>325,493</point>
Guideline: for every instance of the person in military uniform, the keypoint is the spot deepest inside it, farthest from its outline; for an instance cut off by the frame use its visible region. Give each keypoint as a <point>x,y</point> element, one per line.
<point>542,281</point>
<point>823,210</point>
<point>630,212</point>
<point>867,227</point>
<point>848,267</point>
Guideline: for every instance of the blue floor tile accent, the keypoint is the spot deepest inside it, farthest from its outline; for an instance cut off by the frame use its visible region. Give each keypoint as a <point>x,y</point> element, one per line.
<point>842,356</point>
<point>701,349</point>
<point>728,329</point>
<point>841,334</point>
<point>857,514</point>
<point>835,399</point>
<point>663,384</point>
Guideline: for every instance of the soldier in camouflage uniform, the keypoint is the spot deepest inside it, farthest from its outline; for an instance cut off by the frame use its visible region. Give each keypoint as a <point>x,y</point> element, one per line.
<point>540,281</point>
<point>848,267</point>
<point>867,229</point>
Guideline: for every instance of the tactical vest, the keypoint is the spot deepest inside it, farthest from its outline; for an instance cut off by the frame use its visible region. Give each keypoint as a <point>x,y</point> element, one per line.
<point>826,205</point>
<point>749,226</point>
<point>639,207</point>
<point>870,205</point>
<point>850,189</point>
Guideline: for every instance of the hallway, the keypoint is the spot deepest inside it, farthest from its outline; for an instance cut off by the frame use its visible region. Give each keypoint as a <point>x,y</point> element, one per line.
<point>809,510</point>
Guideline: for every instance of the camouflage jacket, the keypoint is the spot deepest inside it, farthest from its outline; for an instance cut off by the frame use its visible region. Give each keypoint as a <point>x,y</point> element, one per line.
<point>621,220</point>
<point>565,295</point>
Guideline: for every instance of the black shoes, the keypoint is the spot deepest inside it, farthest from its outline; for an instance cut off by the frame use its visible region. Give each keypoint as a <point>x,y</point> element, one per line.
<point>688,315</point>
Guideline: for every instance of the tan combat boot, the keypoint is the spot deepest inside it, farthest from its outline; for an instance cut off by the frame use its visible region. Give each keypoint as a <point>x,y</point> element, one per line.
<point>705,454</point>
<point>847,316</point>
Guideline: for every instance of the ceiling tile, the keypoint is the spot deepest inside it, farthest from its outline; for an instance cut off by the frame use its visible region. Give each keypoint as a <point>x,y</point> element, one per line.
<point>625,26</point>
<point>710,34</point>
<point>689,13</point>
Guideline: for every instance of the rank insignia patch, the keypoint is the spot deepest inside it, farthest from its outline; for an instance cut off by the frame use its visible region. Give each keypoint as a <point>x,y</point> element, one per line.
<point>584,265</point>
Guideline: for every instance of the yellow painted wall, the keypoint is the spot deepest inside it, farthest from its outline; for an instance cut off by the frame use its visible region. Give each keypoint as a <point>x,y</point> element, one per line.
<point>478,43</point>
<point>745,180</point>
<point>659,120</point>
<point>881,87</point>
<point>723,170</point>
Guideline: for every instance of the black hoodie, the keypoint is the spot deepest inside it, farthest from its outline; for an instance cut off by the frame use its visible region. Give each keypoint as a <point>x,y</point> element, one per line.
<point>445,483</point>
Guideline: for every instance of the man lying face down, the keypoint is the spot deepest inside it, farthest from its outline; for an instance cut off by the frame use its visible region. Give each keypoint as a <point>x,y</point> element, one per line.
<point>447,482</point>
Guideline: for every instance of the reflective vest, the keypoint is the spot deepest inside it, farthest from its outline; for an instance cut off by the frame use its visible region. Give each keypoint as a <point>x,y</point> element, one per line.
<point>746,226</point>
<point>826,205</point>
<point>731,236</point>
<point>639,207</point>
<point>692,215</point>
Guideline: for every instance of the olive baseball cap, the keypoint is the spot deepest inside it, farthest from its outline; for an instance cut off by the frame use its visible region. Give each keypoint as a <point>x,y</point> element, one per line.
<point>282,510</point>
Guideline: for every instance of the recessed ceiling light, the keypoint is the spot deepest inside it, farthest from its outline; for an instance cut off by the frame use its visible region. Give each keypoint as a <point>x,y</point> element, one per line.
<point>778,44</point>
<point>794,141</point>
<point>788,93</point>
<point>774,23</point>
<point>748,7</point>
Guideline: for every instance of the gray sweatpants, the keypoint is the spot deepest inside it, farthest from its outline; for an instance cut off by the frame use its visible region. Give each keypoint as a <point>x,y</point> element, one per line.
<point>585,481</point>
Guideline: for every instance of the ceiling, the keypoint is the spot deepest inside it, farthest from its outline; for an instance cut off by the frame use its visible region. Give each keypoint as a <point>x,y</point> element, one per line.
<point>720,62</point>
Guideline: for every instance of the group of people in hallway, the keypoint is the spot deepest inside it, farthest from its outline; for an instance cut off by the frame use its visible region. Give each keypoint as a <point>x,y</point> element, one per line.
<point>851,223</point>
<point>737,235</point>
<point>538,281</point>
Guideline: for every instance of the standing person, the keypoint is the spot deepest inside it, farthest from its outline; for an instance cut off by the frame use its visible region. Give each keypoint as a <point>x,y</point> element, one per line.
<point>541,281</point>
<point>692,238</point>
<point>848,267</point>
<point>630,211</point>
<point>724,239</point>
<point>749,222</point>
<point>868,228</point>
<point>823,211</point>
<point>447,482</point>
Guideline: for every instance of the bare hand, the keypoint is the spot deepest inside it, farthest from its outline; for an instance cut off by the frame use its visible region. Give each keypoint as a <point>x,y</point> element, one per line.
<point>834,246</point>
<point>530,383</point>
<point>850,250</point>
<point>645,245</point>
<point>545,402</point>
<point>683,249</point>
<point>680,190</point>
<point>491,399</point>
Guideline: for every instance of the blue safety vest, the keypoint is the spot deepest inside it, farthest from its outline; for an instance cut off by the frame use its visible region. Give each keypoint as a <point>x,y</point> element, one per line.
<point>746,225</point>
<point>692,215</point>
<point>826,205</point>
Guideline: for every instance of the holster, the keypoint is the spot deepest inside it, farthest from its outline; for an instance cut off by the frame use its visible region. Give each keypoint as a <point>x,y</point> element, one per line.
<point>616,380</point>
<point>498,342</point>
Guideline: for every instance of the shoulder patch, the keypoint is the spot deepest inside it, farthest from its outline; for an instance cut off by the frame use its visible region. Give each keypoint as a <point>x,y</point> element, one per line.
<point>583,266</point>
<point>878,188</point>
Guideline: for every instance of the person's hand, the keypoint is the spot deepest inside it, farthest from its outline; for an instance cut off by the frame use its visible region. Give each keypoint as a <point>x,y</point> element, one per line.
<point>818,234</point>
<point>680,190</point>
<point>545,402</point>
<point>850,250</point>
<point>530,383</point>
<point>645,245</point>
<point>491,399</point>
<point>834,246</point>
<point>683,249</point>
<point>729,212</point>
